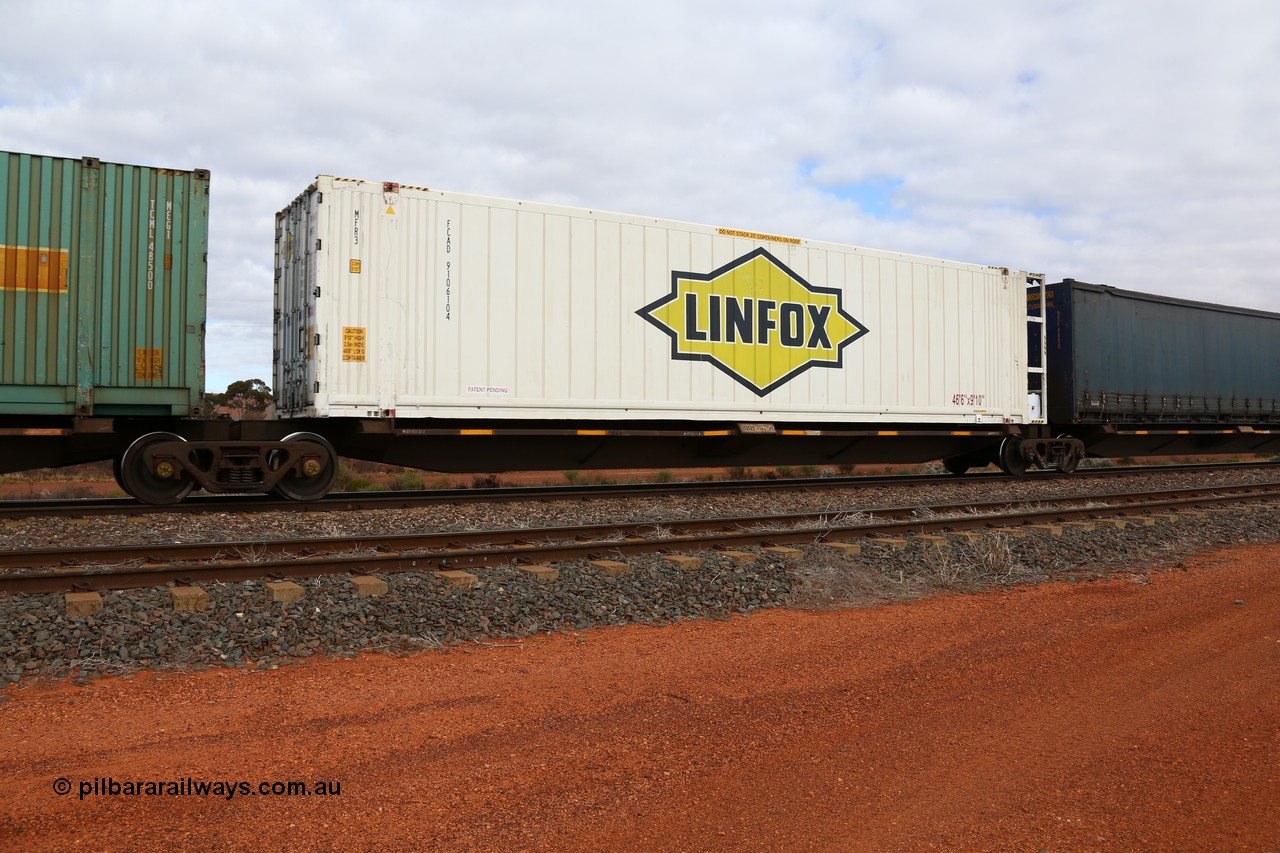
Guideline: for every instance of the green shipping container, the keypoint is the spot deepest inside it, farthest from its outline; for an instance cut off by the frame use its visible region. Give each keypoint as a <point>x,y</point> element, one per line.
<point>102,287</point>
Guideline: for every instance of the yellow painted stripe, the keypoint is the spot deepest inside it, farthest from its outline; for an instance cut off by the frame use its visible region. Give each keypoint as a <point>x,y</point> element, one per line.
<point>716,432</point>
<point>476,431</point>
<point>593,432</point>
<point>35,268</point>
<point>887,432</point>
<point>1140,432</point>
<point>794,432</point>
<point>1228,432</point>
<point>962,432</point>
<point>1184,432</point>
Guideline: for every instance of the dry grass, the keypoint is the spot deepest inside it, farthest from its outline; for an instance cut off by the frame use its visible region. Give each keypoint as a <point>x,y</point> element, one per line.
<point>974,564</point>
<point>831,583</point>
<point>828,581</point>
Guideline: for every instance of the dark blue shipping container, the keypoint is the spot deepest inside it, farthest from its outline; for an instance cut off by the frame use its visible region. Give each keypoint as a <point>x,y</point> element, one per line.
<point>1117,356</point>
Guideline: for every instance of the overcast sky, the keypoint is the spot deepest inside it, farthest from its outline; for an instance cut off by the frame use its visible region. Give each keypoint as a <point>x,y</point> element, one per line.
<point>1132,143</point>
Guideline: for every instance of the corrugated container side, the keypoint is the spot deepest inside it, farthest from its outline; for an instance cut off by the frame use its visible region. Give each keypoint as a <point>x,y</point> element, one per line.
<point>1128,356</point>
<point>437,304</point>
<point>102,287</point>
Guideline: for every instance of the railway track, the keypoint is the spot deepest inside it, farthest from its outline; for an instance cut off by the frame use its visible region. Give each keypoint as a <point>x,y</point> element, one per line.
<point>122,567</point>
<point>346,501</point>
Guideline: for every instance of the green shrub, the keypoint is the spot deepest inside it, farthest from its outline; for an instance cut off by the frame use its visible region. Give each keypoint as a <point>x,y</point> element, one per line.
<point>406,482</point>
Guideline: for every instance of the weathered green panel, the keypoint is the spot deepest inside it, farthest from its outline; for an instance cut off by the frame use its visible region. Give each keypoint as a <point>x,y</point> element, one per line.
<point>102,286</point>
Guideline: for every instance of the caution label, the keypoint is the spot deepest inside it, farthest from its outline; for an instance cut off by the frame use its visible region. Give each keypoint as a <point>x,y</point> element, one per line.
<point>756,320</point>
<point>353,338</point>
<point>148,365</point>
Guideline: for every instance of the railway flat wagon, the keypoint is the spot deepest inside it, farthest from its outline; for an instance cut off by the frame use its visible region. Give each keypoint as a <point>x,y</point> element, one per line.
<point>1139,374</point>
<point>550,336</point>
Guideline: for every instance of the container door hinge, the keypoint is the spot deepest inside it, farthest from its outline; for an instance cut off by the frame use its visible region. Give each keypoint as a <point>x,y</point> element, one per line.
<point>319,198</point>
<point>316,293</point>
<point>317,339</point>
<point>317,388</point>
<point>318,245</point>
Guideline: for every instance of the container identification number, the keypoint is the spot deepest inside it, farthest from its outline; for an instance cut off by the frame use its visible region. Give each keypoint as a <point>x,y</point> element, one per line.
<point>151,247</point>
<point>448,270</point>
<point>968,399</point>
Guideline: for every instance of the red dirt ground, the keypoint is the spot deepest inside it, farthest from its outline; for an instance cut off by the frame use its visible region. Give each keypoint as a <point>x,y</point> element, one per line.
<point>1113,715</point>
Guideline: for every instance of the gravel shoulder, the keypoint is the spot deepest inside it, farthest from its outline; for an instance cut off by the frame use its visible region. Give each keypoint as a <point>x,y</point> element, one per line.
<point>1133,712</point>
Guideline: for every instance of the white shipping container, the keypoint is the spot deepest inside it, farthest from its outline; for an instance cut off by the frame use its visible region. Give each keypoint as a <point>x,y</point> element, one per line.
<point>420,303</point>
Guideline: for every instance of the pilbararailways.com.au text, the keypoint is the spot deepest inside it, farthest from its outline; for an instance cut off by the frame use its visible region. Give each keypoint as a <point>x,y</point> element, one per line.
<point>188,787</point>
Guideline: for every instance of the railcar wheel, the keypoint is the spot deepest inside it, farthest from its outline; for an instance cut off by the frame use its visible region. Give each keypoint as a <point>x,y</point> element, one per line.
<point>319,470</point>
<point>955,465</point>
<point>1010,458</point>
<point>151,481</point>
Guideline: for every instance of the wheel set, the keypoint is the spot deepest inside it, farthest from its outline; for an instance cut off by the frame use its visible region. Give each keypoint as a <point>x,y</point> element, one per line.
<point>162,468</point>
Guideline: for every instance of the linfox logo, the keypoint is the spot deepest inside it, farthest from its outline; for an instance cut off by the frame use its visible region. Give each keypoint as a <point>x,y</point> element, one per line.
<point>756,320</point>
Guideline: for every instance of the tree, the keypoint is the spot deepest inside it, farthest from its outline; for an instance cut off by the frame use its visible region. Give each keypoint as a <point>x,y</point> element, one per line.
<point>246,399</point>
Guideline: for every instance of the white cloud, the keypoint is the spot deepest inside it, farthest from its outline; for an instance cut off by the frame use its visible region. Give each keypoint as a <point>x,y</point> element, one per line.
<point>1132,143</point>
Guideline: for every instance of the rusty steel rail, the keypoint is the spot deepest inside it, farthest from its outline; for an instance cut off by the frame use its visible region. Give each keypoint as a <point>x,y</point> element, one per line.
<point>427,552</point>
<point>346,501</point>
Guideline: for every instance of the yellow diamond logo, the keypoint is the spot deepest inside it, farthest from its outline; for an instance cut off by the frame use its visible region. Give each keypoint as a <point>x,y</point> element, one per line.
<point>756,320</point>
